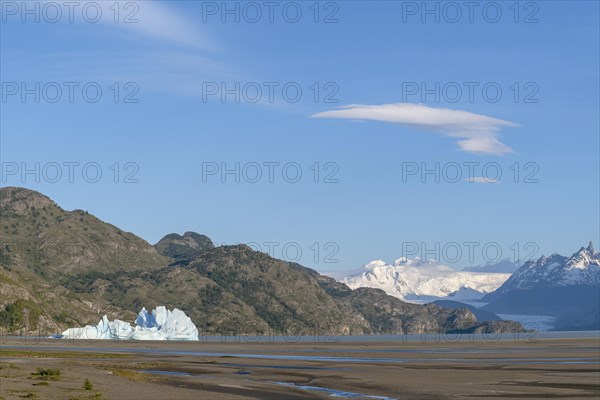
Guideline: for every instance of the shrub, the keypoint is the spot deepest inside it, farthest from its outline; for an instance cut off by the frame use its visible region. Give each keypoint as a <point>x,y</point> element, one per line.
<point>47,374</point>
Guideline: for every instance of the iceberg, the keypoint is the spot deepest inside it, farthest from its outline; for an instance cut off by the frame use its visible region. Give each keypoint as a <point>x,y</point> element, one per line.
<point>160,324</point>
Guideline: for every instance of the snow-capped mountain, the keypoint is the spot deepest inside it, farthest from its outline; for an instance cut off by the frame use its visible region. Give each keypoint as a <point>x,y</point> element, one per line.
<point>581,269</point>
<point>424,280</point>
<point>567,288</point>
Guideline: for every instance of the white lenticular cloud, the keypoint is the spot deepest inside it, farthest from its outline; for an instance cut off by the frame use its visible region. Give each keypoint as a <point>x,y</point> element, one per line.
<point>477,133</point>
<point>481,179</point>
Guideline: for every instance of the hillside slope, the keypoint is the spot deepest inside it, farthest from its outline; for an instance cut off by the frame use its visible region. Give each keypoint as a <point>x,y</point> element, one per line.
<point>100,269</point>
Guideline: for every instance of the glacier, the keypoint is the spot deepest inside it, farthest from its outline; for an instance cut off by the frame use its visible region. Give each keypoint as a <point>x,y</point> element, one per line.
<point>160,324</point>
<point>421,281</point>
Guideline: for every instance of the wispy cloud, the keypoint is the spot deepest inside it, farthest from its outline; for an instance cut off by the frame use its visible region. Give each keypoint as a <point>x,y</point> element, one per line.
<point>159,21</point>
<point>154,44</point>
<point>149,19</point>
<point>481,179</point>
<point>176,72</point>
<point>478,133</point>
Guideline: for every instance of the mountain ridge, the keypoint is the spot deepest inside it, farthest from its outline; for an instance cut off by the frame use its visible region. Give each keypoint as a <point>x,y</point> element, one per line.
<point>567,288</point>
<point>581,268</point>
<point>225,289</point>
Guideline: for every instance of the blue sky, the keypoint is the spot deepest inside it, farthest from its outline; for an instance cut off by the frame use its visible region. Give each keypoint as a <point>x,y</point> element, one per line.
<point>366,130</point>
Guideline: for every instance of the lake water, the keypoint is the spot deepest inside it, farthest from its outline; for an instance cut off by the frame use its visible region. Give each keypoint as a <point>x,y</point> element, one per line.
<point>424,338</point>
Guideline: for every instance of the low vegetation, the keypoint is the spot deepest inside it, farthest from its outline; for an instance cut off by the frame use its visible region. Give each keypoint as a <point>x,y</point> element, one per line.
<point>87,385</point>
<point>47,374</point>
<point>136,376</point>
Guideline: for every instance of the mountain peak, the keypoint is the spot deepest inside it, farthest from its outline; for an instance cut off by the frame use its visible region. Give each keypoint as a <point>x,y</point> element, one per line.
<point>374,264</point>
<point>415,262</point>
<point>590,247</point>
<point>18,199</point>
<point>184,247</point>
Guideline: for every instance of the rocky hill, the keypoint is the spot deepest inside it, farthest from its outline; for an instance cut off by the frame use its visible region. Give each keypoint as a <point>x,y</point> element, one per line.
<point>61,268</point>
<point>183,248</point>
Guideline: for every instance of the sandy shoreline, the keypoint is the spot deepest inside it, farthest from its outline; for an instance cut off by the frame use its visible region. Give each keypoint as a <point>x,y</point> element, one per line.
<point>544,368</point>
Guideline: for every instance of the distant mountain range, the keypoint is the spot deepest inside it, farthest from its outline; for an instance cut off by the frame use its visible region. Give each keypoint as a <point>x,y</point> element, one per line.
<point>581,269</point>
<point>60,269</point>
<point>419,280</point>
<point>567,288</point>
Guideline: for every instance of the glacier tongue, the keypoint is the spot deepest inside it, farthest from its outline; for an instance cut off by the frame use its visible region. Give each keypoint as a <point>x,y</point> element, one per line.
<point>160,324</point>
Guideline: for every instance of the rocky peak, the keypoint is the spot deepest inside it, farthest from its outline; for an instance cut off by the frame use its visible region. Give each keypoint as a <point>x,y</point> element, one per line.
<point>184,247</point>
<point>590,248</point>
<point>20,200</point>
